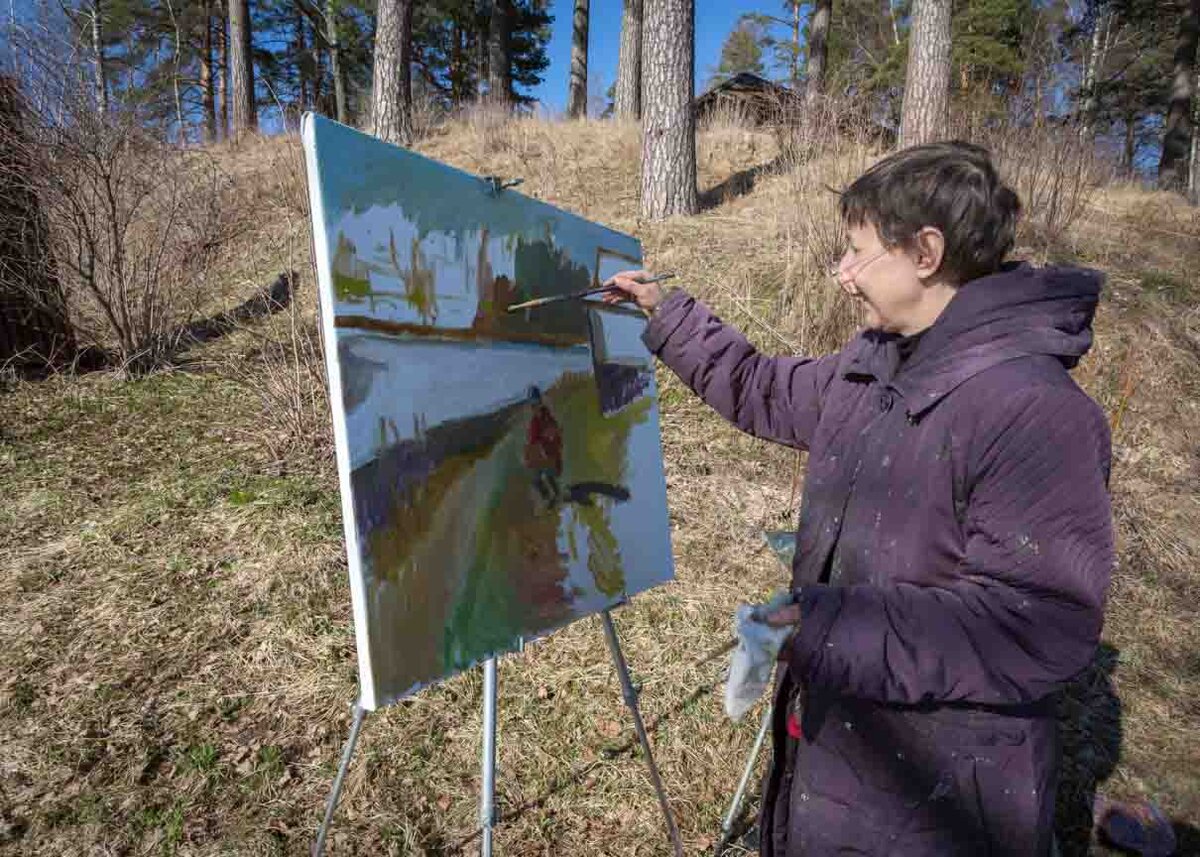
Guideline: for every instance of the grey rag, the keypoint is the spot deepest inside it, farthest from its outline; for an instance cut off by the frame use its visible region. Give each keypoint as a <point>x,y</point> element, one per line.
<point>758,647</point>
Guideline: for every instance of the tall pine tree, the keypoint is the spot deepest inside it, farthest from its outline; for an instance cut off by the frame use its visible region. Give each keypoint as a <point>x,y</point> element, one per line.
<point>1177,139</point>
<point>391,106</point>
<point>742,51</point>
<point>627,90</point>
<point>927,82</point>
<point>669,122</point>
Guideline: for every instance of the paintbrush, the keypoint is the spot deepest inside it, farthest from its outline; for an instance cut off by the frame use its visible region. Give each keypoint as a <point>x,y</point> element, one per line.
<point>599,290</point>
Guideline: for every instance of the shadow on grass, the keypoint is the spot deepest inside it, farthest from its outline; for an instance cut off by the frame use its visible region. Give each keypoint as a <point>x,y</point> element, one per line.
<point>167,348</point>
<point>739,184</point>
<point>1187,837</point>
<point>1089,722</point>
<point>266,301</point>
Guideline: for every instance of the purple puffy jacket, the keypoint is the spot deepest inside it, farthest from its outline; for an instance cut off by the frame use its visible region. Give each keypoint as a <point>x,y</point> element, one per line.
<point>953,555</point>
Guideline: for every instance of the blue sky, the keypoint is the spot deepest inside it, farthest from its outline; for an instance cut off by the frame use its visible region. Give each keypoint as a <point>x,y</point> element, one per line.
<point>714,20</point>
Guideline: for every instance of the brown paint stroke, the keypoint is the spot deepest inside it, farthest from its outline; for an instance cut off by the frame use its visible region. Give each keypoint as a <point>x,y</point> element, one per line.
<point>459,334</point>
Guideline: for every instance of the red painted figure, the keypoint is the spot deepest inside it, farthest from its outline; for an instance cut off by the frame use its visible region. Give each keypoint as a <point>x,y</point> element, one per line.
<point>543,448</point>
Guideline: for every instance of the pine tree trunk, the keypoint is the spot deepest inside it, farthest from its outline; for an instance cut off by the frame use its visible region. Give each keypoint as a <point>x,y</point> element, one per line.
<point>35,328</point>
<point>241,68</point>
<point>927,81</point>
<point>337,65</point>
<point>98,50</point>
<point>1039,100</point>
<point>391,107</point>
<point>222,71</point>
<point>1091,71</point>
<point>176,59</point>
<point>577,90</point>
<point>1193,182</point>
<point>207,77</point>
<point>459,67</point>
<point>483,45</point>
<point>130,50</point>
<point>1130,143</point>
<point>1173,167</point>
<point>301,58</point>
<point>818,49</point>
<point>669,121</point>
<point>319,93</point>
<point>500,54</point>
<point>627,100</point>
<point>796,30</point>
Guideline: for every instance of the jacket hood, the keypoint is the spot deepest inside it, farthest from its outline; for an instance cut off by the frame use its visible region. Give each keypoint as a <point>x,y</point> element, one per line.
<point>1019,311</point>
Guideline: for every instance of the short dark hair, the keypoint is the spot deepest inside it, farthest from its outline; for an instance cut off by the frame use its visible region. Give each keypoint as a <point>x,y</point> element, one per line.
<point>951,186</point>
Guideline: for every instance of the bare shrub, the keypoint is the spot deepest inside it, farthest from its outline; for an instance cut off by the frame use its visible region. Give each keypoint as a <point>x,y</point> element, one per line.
<point>489,126</point>
<point>825,124</point>
<point>285,373</point>
<point>824,145</point>
<point>728,115</point>
<point>762,252</point>
<point>287,180</point>
<point>428,115</point>
<point>1051,167</point>
<point>133,225</point>
<point>814,236</point>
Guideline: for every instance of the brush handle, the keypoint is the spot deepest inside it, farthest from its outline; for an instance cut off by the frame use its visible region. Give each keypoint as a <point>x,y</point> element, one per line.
<point>658,279</point>
<point>598,290</point>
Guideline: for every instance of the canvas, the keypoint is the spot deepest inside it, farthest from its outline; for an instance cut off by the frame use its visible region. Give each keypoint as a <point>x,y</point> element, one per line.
<point>501,473</point>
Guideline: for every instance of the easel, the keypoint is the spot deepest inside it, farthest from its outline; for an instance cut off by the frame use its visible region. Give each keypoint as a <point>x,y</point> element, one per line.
<point>487,796</point>
<point>494,186</point>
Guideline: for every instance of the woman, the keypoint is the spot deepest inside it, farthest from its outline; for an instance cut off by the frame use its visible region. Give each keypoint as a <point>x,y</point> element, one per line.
<point>955,539</point>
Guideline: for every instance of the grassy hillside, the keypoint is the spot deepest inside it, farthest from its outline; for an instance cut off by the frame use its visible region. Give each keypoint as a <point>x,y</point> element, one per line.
<point>175,616</point>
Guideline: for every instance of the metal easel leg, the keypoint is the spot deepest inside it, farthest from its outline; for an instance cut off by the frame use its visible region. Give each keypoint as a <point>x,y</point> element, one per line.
<point>735,806</point>
<point>487,797</point>
<point>360,714</point>
<point>631,700</point>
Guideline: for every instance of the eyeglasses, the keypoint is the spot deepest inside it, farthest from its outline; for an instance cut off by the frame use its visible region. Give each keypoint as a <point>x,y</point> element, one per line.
<point>836,272</point>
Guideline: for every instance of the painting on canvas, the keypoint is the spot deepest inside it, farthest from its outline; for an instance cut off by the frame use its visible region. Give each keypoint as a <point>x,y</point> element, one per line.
<point>501,472</point>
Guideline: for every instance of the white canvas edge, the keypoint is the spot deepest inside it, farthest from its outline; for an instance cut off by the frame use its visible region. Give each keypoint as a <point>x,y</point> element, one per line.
<point>325,302</point>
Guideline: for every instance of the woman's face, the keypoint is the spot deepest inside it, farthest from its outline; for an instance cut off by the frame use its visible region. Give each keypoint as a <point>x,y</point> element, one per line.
<point>884,281</point>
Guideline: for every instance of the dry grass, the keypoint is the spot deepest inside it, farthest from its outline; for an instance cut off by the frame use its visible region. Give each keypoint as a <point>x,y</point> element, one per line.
<point>176,623</point>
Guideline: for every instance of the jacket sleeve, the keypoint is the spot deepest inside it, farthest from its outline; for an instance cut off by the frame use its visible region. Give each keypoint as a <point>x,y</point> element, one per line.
<point>775,398</point>
<point>1025,613</point>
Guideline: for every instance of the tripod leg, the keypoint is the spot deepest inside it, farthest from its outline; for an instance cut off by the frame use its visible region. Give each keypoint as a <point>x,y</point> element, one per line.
<point>735,806</point>
<point>487,797</point>
<point>631,700</point>
<point>360,714</point>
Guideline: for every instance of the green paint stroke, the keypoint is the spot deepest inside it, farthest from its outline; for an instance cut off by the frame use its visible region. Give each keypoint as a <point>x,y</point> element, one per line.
<point>351,276</point>
<point>469,560</point>
<point>516,581</point>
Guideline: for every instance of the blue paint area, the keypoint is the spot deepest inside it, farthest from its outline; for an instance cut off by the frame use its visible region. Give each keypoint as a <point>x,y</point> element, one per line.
<point>434,197</point>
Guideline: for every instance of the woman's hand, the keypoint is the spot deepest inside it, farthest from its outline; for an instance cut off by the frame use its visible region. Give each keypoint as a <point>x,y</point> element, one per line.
<point>787,616</point>
<point>783,616</point>
<point>631,285</point>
